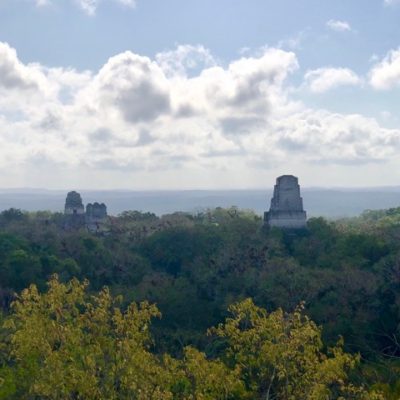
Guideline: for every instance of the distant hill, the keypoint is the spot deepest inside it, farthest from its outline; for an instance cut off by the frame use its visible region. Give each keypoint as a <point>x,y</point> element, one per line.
<point>331,203</point>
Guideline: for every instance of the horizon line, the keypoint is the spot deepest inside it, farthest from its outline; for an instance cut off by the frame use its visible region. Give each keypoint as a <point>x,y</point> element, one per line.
<point>345,188</point>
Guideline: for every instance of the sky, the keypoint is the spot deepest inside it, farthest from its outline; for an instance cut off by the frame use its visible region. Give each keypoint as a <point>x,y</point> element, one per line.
<point>188,94</point>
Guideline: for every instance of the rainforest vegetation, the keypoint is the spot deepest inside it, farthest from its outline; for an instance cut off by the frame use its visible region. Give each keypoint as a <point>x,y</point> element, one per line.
<point>205,306</point>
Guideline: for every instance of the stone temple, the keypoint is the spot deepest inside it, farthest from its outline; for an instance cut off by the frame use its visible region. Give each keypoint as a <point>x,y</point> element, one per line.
<point>75,216</point>
<point>73,204</point>
<point>74,211</point>
<point>96,214</point>
<point>286,209</point>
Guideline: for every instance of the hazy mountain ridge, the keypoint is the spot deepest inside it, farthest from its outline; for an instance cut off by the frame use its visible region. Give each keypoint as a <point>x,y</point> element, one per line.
<point>317,201</point>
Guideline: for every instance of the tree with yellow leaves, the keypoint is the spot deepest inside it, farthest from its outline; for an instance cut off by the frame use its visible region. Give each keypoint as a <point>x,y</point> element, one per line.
<point>280,356</point>
<point>65,344</point>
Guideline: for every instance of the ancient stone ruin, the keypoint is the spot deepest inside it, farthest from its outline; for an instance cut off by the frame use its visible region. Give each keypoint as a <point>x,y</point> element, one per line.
<point>96,214</point>
<point>286,209</point>
<point>74,211</point>
<point>73,204</point>
<point>75,216</point>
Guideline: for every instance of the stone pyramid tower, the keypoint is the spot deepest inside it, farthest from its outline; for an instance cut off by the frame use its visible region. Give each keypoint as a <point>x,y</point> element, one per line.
<point>286,209</point>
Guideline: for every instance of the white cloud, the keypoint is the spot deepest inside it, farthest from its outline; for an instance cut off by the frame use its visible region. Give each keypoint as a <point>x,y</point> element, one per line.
<point>14,74</point>
<point>148,121</point>
<point>386,73</point>
<point>294,42</point>
<point>134,85</point>
<point>323,137</point>
<point>130,3</point>
<point>391,2</point>
<point>184,59</point>
<point>41,3</point>
<point>88,6</point>
<point>338,26</point>
<point>324,79</point>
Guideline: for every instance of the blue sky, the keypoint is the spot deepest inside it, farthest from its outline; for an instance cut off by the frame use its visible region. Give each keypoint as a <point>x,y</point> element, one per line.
<point>164,94</point>
<point>62,34</point>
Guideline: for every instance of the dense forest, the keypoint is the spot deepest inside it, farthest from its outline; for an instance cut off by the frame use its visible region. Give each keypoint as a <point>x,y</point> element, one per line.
<point>205,306</point>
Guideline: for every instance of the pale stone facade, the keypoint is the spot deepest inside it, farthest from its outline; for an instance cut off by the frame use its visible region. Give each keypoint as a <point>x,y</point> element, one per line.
<point>286,209</point>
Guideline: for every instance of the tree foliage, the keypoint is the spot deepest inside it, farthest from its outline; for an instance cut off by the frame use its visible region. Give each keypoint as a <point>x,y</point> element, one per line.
<point>67,344</point>
<point>193,267</point>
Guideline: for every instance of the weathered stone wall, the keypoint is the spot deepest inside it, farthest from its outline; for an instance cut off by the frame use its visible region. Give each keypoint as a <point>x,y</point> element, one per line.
<point>74,211</point>
<point>73,204</point>
<point>286,209</point>
<point>76,217</point>
<point>96,211</point>
<point>96,215</point>
<point>287,194</point>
